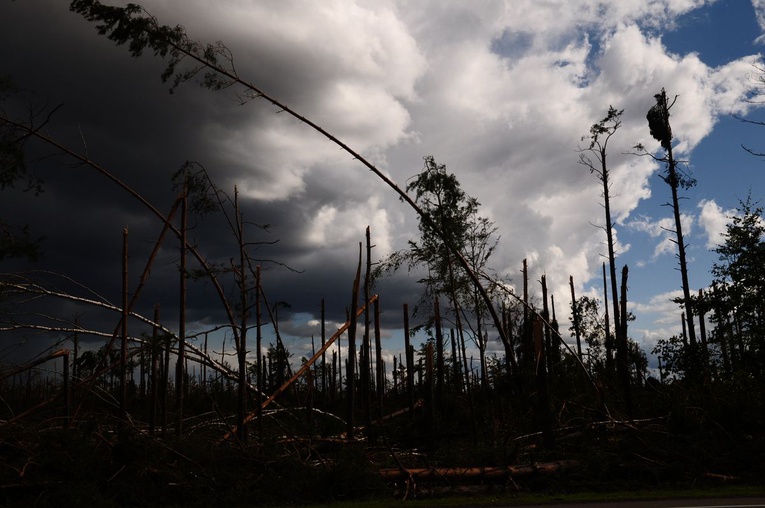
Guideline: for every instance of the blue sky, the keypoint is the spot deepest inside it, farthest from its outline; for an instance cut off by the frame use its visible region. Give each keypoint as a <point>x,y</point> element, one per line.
<point>500,92</point>
<point>718,33</point>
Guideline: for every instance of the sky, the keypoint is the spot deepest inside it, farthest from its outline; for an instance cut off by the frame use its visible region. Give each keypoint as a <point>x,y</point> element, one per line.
<point>499,92</point>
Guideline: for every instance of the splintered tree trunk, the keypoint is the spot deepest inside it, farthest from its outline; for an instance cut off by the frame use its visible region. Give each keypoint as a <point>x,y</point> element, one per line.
<point>622,349</point>
<point>123,348</point>
<point>575,313</point>
<point>364,371</point>
<point>67,392</point>
<point>76,346</point>
<point>481,341</point>
<point>468,386</point>
<point>429,395</point>
<point>351,375</point>
<point>259,350</point>
<point>456,382</point>
<point>165,379</point>
<point>555,333</point>
<point>548,340</point>
<point>241,353</point>
<point>397,379</point>
<point>156,352</point>
<point>703,332</point>
<point>379,367</point>
<point>439,350</point>
<point>609,356</point>
<point>333,386</point>
<point>323,355</point>
<point>527,345</point>
<point>180,371</point>
<point>543,404</point>
<point>204,368</point>
<point>509,354</point>
<point>409,362</point>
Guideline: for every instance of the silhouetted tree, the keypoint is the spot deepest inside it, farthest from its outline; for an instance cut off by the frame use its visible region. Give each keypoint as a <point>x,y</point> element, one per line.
<point>739,281</point>
<point>660,129</point>
<point>450,223</point>
<point>600,135</point>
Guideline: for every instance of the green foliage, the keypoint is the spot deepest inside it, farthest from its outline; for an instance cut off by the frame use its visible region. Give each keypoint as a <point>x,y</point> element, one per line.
<point>741,266</point>
<point>133,26</point>
<point>450,222</point>
<point>202,193</point>
<point>602,131</point>
<point>278,358</point>
<point>737,300</point>
<point>12,163</point>
<point>15,240</point>
<point>592,330</point>
<point>637,361</point>
<point>86,363</point>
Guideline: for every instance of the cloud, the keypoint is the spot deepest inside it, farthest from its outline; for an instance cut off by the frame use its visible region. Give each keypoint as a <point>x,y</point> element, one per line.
<point>759,11</point>
<point>713,220</point>
<point>664,229</point>
<point>499,92</point>
<point>508,125</point>
<point>662,313</point>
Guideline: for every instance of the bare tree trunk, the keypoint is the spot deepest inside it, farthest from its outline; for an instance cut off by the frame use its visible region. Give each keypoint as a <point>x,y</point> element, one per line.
<point>323,356</point>
<point>703,332</point>
<point>609,357</point>
<point>259,348</point>
<point>509,353</point>
<point>351,375</point>
<point>622,350</point>
<point>409,362</point>
<point>575,313</point>
<point>241,352</point>
<point>379,367</point>
<point>468,386</point>
<point>156,351</point>
<point>76,348</point>
<point>612,268</point>
<point>67,392</point>
<point>674,182</point>
<point>429,397</point>
<point>543,404</point>
<point>123,348</point>
<point>548,339</point>
<point>364,371</point>
<point>555,334</point>
<point>480,342</point>
<point>333,385</point>
<point>456,382</point>
<point>439,350</point>
<point>180,370</point>
<point>166,379</point>
<point>528,339</point>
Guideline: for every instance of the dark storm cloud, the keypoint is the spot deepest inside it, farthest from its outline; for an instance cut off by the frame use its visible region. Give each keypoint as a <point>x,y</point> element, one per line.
<point>116,112</point>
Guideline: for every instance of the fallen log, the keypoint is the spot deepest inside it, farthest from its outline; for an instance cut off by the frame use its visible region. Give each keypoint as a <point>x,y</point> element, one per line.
<point>721,477</point>
<point>475,473</point>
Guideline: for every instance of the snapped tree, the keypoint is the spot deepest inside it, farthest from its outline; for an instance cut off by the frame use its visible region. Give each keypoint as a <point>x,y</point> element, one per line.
<point>600,135</point>
<point>661,131</point>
